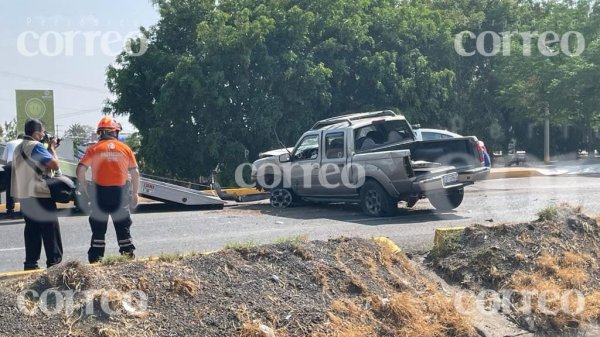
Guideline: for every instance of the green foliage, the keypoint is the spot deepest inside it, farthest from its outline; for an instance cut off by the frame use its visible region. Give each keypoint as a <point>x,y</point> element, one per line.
<point>114,259</point>
<point>170,257</point>
<point>80,134</point>
<point>134,141</point>
<point>295,239</point>
<point>448,244</point>
<point>218,80</point>
<point>548,213</point>
<point>9,131</point>
<point>238,245</point>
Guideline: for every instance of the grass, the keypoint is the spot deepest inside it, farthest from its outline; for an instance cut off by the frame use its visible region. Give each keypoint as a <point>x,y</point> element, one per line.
<point>295,239</point>
<point>237,245</point>
<point>114,259</point>
<point>448,244</point>
<point>170,257</point>
<point>548,213</point>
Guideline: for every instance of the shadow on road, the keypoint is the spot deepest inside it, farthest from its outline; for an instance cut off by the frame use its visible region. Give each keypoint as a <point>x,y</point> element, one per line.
<point>141,209</point>
<point>350,213</point>
<point>165,207</point>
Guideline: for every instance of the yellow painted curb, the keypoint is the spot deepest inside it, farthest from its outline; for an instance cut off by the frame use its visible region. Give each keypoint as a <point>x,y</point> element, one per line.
<point>442,234</point>
<point>16,274</point>
<point>502,173</point>
<point>240,191</point>
<point>388,243</point>
<point>17,207</point>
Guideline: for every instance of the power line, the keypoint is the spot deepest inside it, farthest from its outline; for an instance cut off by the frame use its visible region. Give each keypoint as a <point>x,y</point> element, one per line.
<point>75,113</point>
<point>65,84</point>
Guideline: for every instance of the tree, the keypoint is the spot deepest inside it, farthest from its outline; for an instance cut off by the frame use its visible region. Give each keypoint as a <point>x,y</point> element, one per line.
<point>80,134</point>
<point>218,81</point>
<point>562,88</point>
<point>10,132</point>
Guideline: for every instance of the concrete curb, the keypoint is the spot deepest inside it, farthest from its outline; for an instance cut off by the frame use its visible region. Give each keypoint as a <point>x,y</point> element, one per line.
<point>503,173</point>
<point>442,235</point>
<point>385,241</point>
<point>17,274</point>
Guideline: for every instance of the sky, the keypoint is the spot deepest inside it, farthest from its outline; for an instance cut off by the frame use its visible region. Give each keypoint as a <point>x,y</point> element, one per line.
<point>65,46</point>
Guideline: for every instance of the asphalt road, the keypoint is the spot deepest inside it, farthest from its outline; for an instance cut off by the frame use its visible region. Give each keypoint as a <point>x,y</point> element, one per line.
<point>164,229</point>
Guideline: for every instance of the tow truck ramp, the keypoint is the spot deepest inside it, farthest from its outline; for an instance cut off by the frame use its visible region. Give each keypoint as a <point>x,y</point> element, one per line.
<point>165,192</point>
<point>157,190</point>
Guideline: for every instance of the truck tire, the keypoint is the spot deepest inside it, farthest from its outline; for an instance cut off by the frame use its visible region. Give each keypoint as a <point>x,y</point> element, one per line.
<point>375,201</point>
<point>281,197</point>
<point>447,201</point>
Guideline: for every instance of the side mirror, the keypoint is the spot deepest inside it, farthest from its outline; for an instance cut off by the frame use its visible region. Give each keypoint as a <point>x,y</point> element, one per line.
<point>416,126</point>
<point>284,158</point>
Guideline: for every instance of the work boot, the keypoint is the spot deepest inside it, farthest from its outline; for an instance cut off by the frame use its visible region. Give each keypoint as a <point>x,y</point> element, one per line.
<point>129,254</point>
<point>95,259</point>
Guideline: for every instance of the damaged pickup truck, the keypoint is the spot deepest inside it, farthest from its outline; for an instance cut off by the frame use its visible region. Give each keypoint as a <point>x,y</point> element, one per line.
<point>372,159</point>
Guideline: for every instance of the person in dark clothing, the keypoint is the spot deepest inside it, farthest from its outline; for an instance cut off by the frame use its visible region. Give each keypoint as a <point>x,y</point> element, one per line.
<point>111,162</point>
<point>31,161</point>
<point>7,156</point>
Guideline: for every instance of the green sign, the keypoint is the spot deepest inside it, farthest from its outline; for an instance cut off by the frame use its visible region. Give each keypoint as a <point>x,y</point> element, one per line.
<point>38,104</point>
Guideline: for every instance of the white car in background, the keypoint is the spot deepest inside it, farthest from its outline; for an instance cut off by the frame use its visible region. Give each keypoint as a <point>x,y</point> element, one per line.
<point>432,134</point>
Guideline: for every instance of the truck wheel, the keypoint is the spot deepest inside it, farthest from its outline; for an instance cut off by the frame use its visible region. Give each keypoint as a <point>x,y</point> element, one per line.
<point>375,201</point>
<point>281,198</point>
<point>447,201</point>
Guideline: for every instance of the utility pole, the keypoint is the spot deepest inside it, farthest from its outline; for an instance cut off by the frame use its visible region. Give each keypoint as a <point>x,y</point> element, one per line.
<point>547,135</point>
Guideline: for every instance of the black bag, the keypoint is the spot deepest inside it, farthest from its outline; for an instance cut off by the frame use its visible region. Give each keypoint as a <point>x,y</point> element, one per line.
<point>62,188</point>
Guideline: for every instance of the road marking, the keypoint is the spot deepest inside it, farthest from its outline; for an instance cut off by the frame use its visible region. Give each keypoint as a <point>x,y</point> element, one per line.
<point>11,249</point>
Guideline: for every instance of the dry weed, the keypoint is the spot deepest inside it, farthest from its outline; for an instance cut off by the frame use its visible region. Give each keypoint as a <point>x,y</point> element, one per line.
<point>547,263</point>
<point>107,332</point>
<point>572,259</point>
<point>573,277</point>
<point>185,286</point>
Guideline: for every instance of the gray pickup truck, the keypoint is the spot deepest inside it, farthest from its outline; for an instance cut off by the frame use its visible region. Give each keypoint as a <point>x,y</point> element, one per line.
<point>372,159</point>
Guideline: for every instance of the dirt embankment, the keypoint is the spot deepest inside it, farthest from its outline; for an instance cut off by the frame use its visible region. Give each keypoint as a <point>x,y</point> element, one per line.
<point>544,275</point>
<point>344,287</point>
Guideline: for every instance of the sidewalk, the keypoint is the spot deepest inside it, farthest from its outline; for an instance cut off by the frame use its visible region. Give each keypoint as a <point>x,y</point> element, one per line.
<point>556,169</point>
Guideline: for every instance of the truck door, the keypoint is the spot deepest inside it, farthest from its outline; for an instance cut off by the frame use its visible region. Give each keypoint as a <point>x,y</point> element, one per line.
<point>333,165</point>
<point>305,165</point>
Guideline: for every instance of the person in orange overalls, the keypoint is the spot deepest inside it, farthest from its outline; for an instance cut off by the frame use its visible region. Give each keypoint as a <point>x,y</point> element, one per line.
<point>111,162</point>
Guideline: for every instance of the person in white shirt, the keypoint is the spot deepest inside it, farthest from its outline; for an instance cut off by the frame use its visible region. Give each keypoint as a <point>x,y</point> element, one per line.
<point>7,156</point>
